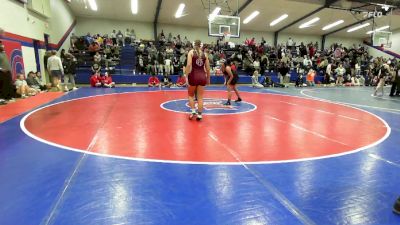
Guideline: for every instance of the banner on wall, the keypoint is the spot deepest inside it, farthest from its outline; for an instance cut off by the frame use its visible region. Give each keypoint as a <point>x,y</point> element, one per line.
<point>14,53</point>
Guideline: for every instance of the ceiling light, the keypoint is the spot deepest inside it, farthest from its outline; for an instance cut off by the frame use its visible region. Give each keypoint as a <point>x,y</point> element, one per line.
<point>276,21</point>
<point>378,29</point>
<point>252,16</point>
<point>308,23</point>
<point>358,27</point>
<point>329,26</point>
<point>214,13</point>
<point>93,5</point>
<point>382,28</point>
<point>134,6</point>
<point>179,12</point>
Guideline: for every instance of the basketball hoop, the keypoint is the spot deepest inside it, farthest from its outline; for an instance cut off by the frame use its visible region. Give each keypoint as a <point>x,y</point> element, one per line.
<point>227,36</point>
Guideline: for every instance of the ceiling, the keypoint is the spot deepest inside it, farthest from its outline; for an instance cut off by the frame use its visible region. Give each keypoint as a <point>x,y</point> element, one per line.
<point>196,12</point>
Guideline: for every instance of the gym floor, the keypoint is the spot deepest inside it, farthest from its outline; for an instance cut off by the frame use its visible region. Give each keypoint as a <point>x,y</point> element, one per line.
<point>130,155</point>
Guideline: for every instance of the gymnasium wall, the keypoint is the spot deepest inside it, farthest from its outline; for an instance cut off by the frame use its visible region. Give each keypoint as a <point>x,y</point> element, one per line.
<point>16,19</point>
<point>145,31</point>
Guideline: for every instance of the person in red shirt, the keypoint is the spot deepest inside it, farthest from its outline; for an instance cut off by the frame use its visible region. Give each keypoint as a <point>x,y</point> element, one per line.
<point>181,82</point>
<point>95,80</point>
<point>153,81</point>
<point>106,80</point>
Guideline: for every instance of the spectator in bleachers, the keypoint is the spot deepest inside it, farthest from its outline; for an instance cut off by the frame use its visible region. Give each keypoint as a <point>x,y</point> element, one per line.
<point>95,80</point>
<point>96,68</point>
<point>153,81</point>
<point>88,39</point>
<point>107,81</point>
<point>113,36</point>
<point>97,58</point>
<point>140,65</point>
<point>23,88</point>
<point>93,48</point>
<point>120,38</point>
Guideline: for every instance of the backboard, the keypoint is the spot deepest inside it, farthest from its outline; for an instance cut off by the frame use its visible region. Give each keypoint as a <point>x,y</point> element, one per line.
<point>382,39</point>
<point>221,25</point>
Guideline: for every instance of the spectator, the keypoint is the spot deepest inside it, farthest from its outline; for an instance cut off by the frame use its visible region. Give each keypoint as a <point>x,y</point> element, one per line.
<point>93,48</point>
<point>328,72</point>
<point>168,67</point>
<point>166,81</point>
<point>307,62</point>
<point>23,88</point>
<point>34,83</point>
<point>181,82</point>
<point>97,58</point>
<point>310,77</point>
<point>56,70</point>
<point>153,81</point>
<point>254,80</point>
<point>106,81</point>
<point>70,71</point>
<point>6,85</point>
<point>113,37</point>
<point>95,80</point>
<point>96,68</point>
<point>340,72</point>
<point>120,39</point>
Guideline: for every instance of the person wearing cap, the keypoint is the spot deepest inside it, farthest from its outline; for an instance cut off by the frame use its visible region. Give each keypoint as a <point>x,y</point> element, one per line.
<point>198,70</point>
<point>231,79</point>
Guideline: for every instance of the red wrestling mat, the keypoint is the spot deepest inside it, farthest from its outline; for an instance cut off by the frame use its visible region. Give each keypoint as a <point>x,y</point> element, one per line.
<point>133,125</point>
<point>23,105</point>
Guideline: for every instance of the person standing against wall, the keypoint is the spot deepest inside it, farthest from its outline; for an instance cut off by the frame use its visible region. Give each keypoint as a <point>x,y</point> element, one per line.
<point>70,71</point>
<point>56,70</point>
<point>6,85</point>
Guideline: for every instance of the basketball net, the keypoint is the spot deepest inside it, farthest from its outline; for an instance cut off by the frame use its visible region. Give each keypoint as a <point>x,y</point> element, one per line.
<point>227,36</point>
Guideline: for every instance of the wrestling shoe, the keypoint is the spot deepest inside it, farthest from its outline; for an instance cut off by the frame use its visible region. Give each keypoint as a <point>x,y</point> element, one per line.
<point>238,100</point>
<point>192,115</point>
<point>227,103</point>
<point>199,116</point>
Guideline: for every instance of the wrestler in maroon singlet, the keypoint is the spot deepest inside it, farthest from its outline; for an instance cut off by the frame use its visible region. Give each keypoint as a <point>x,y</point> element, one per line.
<point>198,68</point>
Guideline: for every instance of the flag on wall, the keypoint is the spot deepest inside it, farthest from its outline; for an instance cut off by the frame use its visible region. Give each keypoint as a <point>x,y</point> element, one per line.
<point>14,54</point>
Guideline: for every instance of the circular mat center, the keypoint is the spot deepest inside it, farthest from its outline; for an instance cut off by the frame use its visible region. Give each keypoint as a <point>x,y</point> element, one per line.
<point>272,128</point>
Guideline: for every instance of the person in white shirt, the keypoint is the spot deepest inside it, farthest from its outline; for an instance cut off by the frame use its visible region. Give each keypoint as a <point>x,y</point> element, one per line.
<point>256,65</point>
<point>55,68</point>
<point>307,62</point>
<point>22,87</point>
<point>340,71</point>
<point>168,67</point>
<point>328,72</point>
